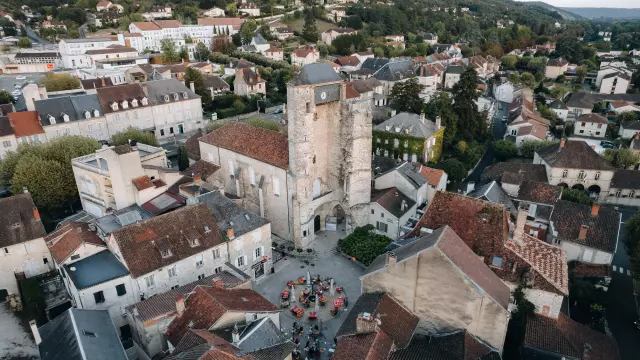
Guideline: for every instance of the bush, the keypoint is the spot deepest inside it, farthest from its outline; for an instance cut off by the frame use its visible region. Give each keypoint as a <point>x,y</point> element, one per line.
<point>132,133</point>
<point>529,147</point>
<point>454,169</point>
<point>264,124</point>
<point>504,149</point>
<point>364,244</point>
<point>576,196</point>
<point>60,82</point>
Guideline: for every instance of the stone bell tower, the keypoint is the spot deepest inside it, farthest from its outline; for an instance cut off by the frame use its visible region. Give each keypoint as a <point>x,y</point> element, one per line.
<point>329,154</point>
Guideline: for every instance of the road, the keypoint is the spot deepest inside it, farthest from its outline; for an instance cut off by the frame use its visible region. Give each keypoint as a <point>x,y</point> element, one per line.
<point>7,83</point>
<point>34,37</point>
<point>622,310</point>
<point>497,130</point>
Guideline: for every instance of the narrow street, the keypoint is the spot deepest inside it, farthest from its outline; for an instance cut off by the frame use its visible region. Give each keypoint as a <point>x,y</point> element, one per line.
<point>622,312</point>
<point>497,130</point>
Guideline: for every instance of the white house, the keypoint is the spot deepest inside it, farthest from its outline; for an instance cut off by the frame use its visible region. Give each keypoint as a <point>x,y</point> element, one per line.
<point>329,35</point>
<point>249,8</point>
<point>23,252</point>
<point>625,188</point>
<point>615,83</point>
<point>507,92</point>
<point>274,53</point>
<point>406,178</point>
<point>560,109</point>
<point>73,51</point>
<point>629,129</point>
<point>304,56</point>
<point>213,12</point>
<point>620,106</point>
<point>452,76</point>
<point>591,125</point>
<point>527,126</point>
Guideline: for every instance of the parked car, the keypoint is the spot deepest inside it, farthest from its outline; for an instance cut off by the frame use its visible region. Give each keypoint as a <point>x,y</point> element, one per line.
<point>607,144</point>
<point>16,93</point>
<point>504,119</point>
<point>21,77</point>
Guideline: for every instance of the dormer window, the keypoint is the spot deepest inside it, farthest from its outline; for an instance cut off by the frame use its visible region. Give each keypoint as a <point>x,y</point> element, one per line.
<point>96,113</point>
<point>166,98</point>
<point>125,105</point>
<point>398,128</point>
<point>87,114</point>
<point>176,97</point>
<point>184,94</point>
<point>388,127</point>
<point>65,117</point>
<point>114,106</point>
<point>144,101</point>
<point>134,103</point>
<point>166,253</point>
<point>52,120</point>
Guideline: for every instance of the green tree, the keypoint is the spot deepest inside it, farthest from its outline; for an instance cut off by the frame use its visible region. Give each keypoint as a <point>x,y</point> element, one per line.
<point>405,96</point>
<point>627,116</point>
<point>576,196</point>
<point>632,240</point>
<point>513,77</point>
<point>621,158</point>
<point>195,76</point>
<point>509,62</point>
<point>310,29</point>
<point>441,104</point>
<point>323,49</point>
<point>247,31</point>
<point>263,124</point>
<point>42,178</point>
<point>454,168</point>
<point>527,78</point>
<point>504,149</point>
<point>24,42</point>
<point>6,97</point>
<point>238,106</point>
<point>202,52</point>
<point>364,244</point>
<point>60,82</point>
<point>529,147</point>
<point>471,124</point>
<point>184,53</point>
<point>132,133</point>
<point>183,159</point>
<point>168,49</point>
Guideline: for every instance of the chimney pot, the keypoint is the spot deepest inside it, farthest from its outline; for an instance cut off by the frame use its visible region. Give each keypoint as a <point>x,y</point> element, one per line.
<point>192,86</point>
<point>391,259</point>
<point>230,234</point>
<point>595,209</point>
<point>583,232</point>
<point>36,214</point>
<point>563,142</point>
<point>422,117</point>
<point>235,335</point>
<point>180,307</point>
<point>438,122</point>
<point>521,220</point>
<point>197,178</point>
<point>217,283</point>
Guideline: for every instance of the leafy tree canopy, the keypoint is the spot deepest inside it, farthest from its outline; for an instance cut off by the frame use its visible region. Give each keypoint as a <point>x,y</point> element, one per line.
<point>132,133</point>
<point>405,96</point>
<point>60,82</point>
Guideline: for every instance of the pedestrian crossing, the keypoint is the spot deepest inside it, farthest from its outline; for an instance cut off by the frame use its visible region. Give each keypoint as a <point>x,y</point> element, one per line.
<point>621,270</point>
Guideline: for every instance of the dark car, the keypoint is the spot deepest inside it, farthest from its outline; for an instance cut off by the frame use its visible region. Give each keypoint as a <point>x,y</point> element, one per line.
<point>607,144</point>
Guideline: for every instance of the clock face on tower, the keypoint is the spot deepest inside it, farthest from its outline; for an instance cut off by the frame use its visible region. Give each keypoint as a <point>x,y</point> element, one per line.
<point>327,93</point>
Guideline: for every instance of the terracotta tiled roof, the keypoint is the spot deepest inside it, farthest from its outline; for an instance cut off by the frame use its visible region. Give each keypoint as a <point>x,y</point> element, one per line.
<point>374,346</point>
<point>626,179</point>
<point>142,182</point>
<point>538,192</point>
<point>192,147</point>
<point>164,305</point>
<point>25,123</point>
<point>348,61</point>
<point>66,239</point>
<point>220,21</point>
<point>303,52</point>
<point>143,244</point>
<point>202,168</point>
<point>573,155</point>
<point>591,270</point>
<point>20,220</point>
<point>146,26</point>
<point>602,229</point>
<point>264,145</point>
<point>569,338</point>
<point>250,77</point>
<point>557,62</point>
<point>207,304</point>
<point>168,24</point>
<point>350,92</point>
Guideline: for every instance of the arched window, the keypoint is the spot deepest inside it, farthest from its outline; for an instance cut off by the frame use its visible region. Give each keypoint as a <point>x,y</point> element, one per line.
<point>565,173</point>
<point>597,176</point>
<point>581,174</point>
<point>316,188</point>
<point>618,193</point>
<point>632,194</point>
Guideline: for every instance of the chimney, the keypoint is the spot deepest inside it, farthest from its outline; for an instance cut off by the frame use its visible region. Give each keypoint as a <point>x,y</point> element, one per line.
<point>391,259</point>
<point>393,113</point>
<point>192,86</point>
<point>180,305</point>
<point>438,122</point>
<point>521,220</point>
<point>422,116</point>
<point>583,232</point>
<point>36,333</point>
<point>197,178</point>
<point>235,335</point>
<point>366,323</point>
<point>102,80</point>
<point>258,74</point>
<point>403,205</point>
<point>563,142</point>
<point>36,214</point>
<point>217,283</point>
<point>595,209</point>
<point>421,70</point>
<point>471,185</point>
<point>230,234</point>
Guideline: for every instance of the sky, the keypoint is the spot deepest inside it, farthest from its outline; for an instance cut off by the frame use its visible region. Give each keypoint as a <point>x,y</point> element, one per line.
<point>593,3</point>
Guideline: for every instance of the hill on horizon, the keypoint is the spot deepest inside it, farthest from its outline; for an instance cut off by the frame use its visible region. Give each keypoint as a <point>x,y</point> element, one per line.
<point>604,12</point>
<point>566,14</point>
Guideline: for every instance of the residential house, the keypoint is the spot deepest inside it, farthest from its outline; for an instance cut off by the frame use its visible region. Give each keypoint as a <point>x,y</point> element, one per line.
<point>429,78</point>
<point>417,138</point>
<point>125,106</point>
<point>474,298</point>
<point>149,318</point>
<point>629,129</point>
<point>615,83</point>
<point>591,125</point>
<point>625,187</point>
<point>555,68</point>
<point>176,109</point>
<point>493,193</point>
<point>205,67</point>
<point>574,164</point>
<point>249,82</point>
<point>620,106</point>
<point>368,89</point>
<point>249,8</point>
<point>329,35</point>
<point>364,55</point>
<point>538,198</point>
<point>429,38</point>
<point>214,308</point>
<point>560,109</point>
<point>73,241</point>
<point>73,115</point>
<point>513,256</point>
<point>304,56</point>
<point>606,35</point>
<point>437,180</point>
<point>489,105</point>
<point>485,67</point>
<point>8,139</point>
<point>283,33</point>
<point>158,12</point>
<point>390,210</point>
<point>27,128</point>
<point>336,15</point>
<point>213,12</point>
<point>452,76</point>
<point>392,73</point>
<point>507,92</point>
<point>23,252</point>
<point>457,345</point>
<point>587,233</point>
<point>216,85</point>
<point>73,51</point>
<point>79,334</point>
<point>527,126</point>
<point>114,178</point>
<point>274,53</point>
<point>107,17</point>
<point>348,63</point>
<point>406,177</point>
<point>108,5</point>
<point>510,175</point>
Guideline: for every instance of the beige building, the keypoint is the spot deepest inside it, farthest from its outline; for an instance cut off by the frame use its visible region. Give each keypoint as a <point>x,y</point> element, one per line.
<point>304,56</point>
<point>438,278</point>
<point>23,252</point>
<point>248,82</point>
<point>328,36</point>
<point>591,125</point>
<point>116,177</point>
<point>555,68</point>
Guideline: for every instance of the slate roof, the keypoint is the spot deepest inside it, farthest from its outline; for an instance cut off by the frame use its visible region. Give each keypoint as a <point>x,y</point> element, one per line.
<point>20,220</point>
<point>143,243</point>
<point>518,171</point>
<point>574,155</point>
<point>207,304</point>
<point>67,337</point>
<point>566,337</point>
<point>225,211</point>
<point>6,108</point>
<point>408,122</point>
<point>558,105</point>
<point>391,199</point>
<point>591,270</point>
<point>249,76</point>
<point>567,218</point>
<point>538,192</point>
<point>119,93</point>
<point>373,346</point>
<point>163,203</point>
<point>455,69</point>
<point>72,106</point>
<point>593,118</point>
<point>494,193</point>
<point>631,125</point>
<point>96,83</point>
<point>317,73</point>
<point>264,145</point>
<point>371,65</point>
<point>411,174</point>
<point>366,85</point>
<point>5,126</point>
<point>459,345</point>
<point>626,179</point>
<point>215,82</point>
<point>192,147</point>
<point>95,269</point>
<point>557,62</point>
<point>398,322</point>
<point>395,71</point>
<point>25,123</point>
<point>66,239</point>
<point>164,304</point>
<point>157,89</point>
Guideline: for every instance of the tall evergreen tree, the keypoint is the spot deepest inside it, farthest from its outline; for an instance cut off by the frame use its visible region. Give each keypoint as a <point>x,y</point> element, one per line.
<point>183,159</point>
<point>471,124</point>
<point>310,29</point>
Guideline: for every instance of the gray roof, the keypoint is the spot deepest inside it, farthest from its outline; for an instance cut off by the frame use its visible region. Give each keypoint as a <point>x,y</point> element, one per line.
<point>123,217</point>
<point>631,125</point>
<point>558,105</point>
<point>248,48</point>
<point>157,89</point>
<point>396,71</point>
<point>215,82</point>
<point>81,334</point>
<point>493,192</point>
<point>455,69</point>
<point>374,64</point>
<point>411,122</point>
<point>259,40</point>
<point>367,302</point>
<point>317,73</point>
<point>260,334</point>
<point>409,172</point>
<point>226,213</point>
<point>73,106</point>
<point>95,269</point>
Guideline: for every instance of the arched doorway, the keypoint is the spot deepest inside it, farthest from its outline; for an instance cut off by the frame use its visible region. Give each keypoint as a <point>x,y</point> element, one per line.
<point>563,185</point>
<point>594,191</point>
<point>578,187</point>
<point>338,213</point>
<point>316,224</point>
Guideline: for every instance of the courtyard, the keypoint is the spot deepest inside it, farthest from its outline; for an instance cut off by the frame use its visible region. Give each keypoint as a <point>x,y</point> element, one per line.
<point>327,263</point>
